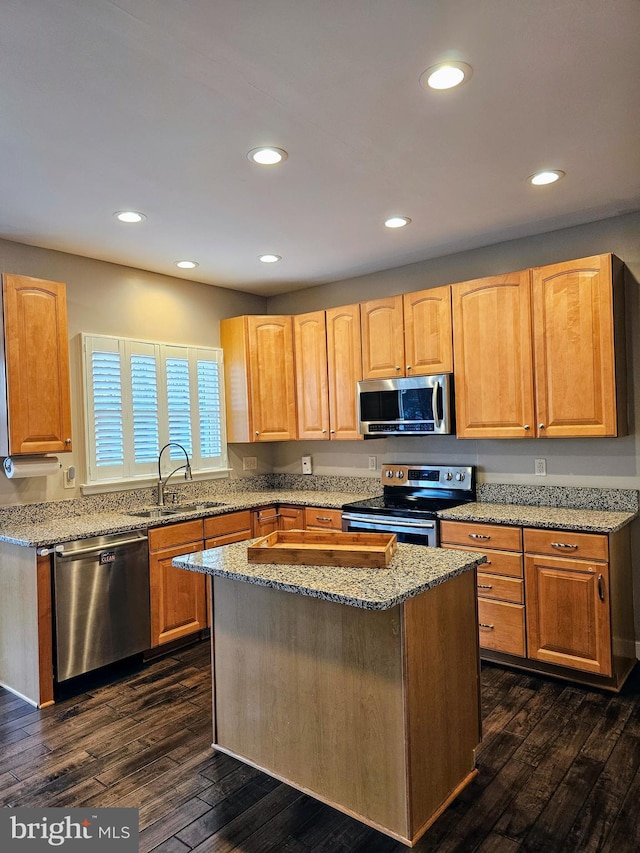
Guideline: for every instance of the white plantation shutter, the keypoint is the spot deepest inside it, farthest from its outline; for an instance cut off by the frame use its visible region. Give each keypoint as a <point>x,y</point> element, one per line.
<point>141,395</point>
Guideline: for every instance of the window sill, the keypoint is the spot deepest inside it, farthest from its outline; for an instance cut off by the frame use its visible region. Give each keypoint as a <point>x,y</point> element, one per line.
<point>147,482</point>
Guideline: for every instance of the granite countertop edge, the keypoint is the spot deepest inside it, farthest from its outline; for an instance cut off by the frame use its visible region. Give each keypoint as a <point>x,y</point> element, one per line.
<point>412,571</point>
<point>545,517</point>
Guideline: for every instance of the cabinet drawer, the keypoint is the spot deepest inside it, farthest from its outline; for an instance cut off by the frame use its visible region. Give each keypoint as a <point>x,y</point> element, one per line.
<point>232,522</point>
<point>565,543</point>
<point>330,519</point>
<point>227,538</point>
<point>502,588</point>
<point>501,627</point>
<point>498,562</point>
<point>175,534</point>
<point>496,536</point>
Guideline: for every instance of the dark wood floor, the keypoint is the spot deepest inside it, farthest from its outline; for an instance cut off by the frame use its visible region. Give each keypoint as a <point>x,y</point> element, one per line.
<point>559,769</point>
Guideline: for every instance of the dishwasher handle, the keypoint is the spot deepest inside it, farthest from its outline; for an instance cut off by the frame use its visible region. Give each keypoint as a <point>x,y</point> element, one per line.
<point>44,552</point>
<point>95,549</point>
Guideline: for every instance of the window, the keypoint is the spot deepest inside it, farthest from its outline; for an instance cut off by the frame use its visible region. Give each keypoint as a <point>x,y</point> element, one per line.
<point>141,395</point>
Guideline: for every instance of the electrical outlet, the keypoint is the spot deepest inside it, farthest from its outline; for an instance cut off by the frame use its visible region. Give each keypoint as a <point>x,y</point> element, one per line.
<point>306,465</point>
<point>249,463</point>
<point>69,477</point>
<point>373,463</point>
<point>540,468</point>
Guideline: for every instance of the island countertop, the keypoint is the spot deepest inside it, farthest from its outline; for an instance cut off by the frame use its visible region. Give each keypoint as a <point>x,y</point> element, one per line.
<point>412,570</point>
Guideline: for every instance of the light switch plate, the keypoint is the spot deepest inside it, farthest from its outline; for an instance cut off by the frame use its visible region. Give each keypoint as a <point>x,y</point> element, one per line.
<point>306,465</point>
<point>373,463</point>
<point>541,468</point>
<point>249,463</point>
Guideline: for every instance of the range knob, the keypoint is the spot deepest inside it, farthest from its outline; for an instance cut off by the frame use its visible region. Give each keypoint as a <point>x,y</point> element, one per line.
<point>400,475</point>
<point>448,476</point>
<point>460,475</point>
<point>388,473</point>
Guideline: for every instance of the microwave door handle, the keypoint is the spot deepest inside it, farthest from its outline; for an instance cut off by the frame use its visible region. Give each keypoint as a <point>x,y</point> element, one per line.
<point>434,405</point>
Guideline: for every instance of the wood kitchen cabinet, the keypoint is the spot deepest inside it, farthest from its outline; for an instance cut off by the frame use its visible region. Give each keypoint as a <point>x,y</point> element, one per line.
<point>35,378</point>
<point>259,378</point>
<point>269,519</point>
<point>177,598</point>
<point>328,367</point>
<point>501,605</point>
<point>540,353</point>
<point>227,528</point>
<point>319,518</point>
<point>407,335</point>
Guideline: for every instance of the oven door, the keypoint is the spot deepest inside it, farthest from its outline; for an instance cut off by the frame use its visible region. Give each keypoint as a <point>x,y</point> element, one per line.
<point>418,531</point>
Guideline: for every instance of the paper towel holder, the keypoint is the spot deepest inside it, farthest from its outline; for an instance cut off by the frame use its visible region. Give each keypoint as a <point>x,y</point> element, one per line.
<point>16,467</point>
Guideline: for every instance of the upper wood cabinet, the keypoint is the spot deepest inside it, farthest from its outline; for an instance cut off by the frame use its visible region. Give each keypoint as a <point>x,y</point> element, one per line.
<point>580,389</point>
<point>35,352</point>
<point>328,367</point>
<point>312,386</point>
<point>344,366</point>
<point>259,378</point>
<point>492,342</point>
<point>540,353</point>
<point>408,335</point>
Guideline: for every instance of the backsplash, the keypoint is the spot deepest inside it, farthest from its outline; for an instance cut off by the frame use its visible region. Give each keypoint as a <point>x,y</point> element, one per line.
<point>568,497</point>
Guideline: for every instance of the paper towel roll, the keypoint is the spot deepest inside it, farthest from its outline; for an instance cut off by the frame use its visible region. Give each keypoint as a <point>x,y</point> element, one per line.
<point>30,466</point>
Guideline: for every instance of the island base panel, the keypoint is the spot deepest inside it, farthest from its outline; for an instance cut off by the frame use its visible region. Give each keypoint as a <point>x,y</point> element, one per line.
<point>327,698</point>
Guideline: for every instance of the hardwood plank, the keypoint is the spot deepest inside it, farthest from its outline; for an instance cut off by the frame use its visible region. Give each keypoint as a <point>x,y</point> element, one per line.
<point>625,832</point>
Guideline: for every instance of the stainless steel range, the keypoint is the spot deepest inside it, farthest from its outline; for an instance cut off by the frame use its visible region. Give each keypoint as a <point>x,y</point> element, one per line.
<point>411,497</point>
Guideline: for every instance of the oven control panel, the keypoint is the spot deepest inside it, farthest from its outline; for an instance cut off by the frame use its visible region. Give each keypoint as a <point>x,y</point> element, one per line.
<point>429,476</point>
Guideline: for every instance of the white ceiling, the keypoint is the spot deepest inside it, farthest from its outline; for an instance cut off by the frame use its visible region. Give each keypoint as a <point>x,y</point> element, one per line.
<point>152,105</point>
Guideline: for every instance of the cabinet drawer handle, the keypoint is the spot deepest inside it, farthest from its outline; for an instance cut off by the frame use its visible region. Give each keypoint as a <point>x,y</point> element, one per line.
<point>484,625</point>
<point>601,587</point>
<point>478,536</point>
<point>563,545</point>
<point>322,518</point>
<point>485,586</point>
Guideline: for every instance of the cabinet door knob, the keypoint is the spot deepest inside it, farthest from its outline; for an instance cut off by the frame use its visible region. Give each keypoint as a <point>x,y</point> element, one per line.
<point>323,431</point>
<point>540,426</point>
<point>397,367</point>
<point>257,433</point>
<point>527,426</point>
<point>67,441</point>
<point>332,431</point>
<point>408,367</point>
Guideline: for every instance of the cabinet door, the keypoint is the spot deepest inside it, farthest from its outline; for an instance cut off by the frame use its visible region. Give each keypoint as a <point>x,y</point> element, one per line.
<point>574,348</point>
<point>291,518</point>
<point>264,521</point>
<point>272,381</point>
<point>428,339</point>
<point>37,366</point>
<point>492,342</point>
<point>344,363</point>
<point>568,618</point>
<point>178,597</point>
<point>310,343</point>
<point>382,338</point>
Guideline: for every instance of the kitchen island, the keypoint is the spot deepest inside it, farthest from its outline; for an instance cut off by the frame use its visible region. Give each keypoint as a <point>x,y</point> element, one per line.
<point>358,686</point>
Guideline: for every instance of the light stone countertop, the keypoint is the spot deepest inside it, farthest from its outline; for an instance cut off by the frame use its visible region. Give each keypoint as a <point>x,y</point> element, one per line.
<point>549,517</point>
<point>413,569</point>
<point>56,529</point>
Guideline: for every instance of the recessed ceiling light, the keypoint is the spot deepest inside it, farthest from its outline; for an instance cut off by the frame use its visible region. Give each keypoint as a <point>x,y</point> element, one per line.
<point>268,156</point>
<point>445,75</point>
<point>129,216</point>
<point>186,265</point>
<point>397,221</point>
<point>270,259</point>
<point>548,176</point>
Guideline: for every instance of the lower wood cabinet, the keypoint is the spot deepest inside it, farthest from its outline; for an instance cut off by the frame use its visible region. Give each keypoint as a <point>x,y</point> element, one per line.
<point>178,598</point>
<point>318,518</point>
<point>271,518</point>
<point>501,608</point>
<point>570,613</point>
<point>224,529</point>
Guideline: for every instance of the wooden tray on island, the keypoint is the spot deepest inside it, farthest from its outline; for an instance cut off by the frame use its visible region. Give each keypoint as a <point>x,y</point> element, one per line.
<point>324,548</point>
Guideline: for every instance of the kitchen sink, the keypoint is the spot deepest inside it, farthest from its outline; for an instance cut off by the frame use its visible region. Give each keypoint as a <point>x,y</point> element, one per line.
<point>198,505</point>
<point>159,512</point>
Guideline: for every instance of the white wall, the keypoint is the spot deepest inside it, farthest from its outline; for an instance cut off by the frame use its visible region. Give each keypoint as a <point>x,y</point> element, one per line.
<point>108,299</point>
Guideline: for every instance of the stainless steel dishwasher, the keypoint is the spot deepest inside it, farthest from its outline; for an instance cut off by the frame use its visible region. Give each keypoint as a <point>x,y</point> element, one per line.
<point>101,601</point>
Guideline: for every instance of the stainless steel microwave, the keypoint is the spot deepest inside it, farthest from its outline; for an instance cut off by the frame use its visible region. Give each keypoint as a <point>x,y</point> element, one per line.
<point>406,405</point>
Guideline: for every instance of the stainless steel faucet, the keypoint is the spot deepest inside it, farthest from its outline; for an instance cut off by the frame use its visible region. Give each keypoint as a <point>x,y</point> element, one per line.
<point>162,484</point>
